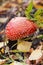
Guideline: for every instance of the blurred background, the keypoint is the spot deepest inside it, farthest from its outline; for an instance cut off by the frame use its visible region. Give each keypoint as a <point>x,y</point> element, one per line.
<point>16,8</point>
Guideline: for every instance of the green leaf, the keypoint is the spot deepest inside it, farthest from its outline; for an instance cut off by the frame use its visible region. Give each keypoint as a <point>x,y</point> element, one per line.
<point>40,36</point>
<point>37,12</point>
<point>19,56</point>
<point>39,17</point>
<point>29,10</point>
<point>3,56</point>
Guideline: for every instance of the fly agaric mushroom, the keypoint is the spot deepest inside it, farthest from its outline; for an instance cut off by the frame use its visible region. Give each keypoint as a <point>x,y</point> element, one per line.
<point>19,27</point>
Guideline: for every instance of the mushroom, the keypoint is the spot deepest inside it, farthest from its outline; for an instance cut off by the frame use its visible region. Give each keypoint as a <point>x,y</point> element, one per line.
<point>19,27</point>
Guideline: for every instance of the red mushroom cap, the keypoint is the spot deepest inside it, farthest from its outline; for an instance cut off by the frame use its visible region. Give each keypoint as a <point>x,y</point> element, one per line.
<point>19,27</point>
